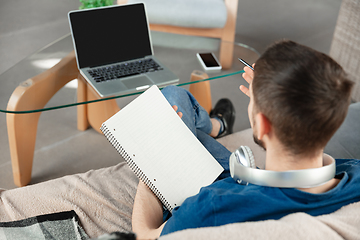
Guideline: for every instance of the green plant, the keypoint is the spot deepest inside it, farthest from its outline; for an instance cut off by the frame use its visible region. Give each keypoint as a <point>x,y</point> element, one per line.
<point>95,3</point>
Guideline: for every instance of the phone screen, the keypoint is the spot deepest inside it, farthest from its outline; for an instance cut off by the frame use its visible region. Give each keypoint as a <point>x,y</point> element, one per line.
<point>209,60</point>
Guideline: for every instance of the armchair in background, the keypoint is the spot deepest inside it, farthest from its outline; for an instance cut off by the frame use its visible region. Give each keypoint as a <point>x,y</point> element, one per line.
<point>206,18</point>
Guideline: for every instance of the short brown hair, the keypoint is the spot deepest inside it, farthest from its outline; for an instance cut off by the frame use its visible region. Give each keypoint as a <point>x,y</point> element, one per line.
<point>305,95</point>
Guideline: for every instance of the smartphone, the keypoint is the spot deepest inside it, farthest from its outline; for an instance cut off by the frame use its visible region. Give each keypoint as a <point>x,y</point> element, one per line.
<point>209,62</point>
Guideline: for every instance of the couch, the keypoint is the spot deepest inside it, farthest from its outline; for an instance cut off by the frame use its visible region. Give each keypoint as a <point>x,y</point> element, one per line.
<point>103,199</point>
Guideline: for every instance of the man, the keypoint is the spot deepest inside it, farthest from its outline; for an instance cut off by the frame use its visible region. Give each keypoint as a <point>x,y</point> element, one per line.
<point>298,99</point>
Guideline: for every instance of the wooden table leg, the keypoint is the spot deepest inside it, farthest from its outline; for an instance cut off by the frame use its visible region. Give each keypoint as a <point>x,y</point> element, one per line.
<point>22,127</point>
<point>22,136</point>
<point>201,91</point>
<point>82,119</point>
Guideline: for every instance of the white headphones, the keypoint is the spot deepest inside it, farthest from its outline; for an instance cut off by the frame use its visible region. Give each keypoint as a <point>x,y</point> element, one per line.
<point>242,168</point>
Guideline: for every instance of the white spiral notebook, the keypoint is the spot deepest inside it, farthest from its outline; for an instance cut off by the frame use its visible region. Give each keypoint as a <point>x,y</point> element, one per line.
<point>160,148</point>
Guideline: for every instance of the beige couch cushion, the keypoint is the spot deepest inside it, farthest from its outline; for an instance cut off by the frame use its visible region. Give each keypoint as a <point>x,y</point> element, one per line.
<point>342,224</point>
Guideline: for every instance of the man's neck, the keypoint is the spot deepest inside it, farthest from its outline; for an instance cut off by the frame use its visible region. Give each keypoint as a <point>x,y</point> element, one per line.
<point>277,160</point>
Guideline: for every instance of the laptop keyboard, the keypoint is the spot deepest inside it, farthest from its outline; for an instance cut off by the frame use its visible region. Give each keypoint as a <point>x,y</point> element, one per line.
<point>124,70</point>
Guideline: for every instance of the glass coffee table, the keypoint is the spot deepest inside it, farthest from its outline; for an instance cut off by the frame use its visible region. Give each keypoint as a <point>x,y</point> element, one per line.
<point>47,79</point>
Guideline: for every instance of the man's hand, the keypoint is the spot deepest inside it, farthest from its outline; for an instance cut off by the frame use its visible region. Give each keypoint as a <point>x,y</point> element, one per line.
<point>248,75</point>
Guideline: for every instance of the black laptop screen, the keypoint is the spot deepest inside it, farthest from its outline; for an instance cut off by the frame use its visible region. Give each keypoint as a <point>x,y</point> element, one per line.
<point>108,35</point>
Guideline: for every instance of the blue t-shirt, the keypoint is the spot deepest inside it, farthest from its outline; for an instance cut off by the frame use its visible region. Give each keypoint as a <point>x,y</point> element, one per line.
<point>226,201</point>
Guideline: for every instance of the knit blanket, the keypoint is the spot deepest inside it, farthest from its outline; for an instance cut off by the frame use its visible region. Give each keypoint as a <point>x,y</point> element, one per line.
<point>63,225</point>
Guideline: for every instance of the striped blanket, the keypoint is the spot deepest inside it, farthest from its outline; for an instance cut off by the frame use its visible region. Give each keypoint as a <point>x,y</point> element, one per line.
<point>62,225</point>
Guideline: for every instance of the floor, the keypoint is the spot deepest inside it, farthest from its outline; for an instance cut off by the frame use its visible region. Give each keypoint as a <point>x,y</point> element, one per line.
<point>26,26</point>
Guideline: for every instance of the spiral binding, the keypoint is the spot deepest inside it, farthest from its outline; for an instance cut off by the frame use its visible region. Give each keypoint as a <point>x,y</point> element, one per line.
<point>138,172</point>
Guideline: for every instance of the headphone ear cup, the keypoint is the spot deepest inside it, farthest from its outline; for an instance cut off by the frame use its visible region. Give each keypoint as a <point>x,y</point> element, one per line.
<point>249,156</point>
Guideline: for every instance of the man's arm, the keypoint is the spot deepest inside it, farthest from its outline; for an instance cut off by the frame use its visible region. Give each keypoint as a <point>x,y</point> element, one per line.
<point>147,217</point>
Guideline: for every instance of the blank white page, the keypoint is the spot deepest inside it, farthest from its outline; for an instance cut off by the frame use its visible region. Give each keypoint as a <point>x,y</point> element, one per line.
<point>160,148</point>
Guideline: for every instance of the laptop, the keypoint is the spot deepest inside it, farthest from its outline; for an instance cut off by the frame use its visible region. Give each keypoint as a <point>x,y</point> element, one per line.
<point>114,51</point>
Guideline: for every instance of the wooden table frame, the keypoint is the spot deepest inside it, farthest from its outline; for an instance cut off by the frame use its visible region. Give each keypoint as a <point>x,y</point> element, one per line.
<point>35,92</point>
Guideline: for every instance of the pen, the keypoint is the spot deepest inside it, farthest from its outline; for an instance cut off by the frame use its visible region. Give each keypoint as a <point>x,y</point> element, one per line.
<point>246,64</point>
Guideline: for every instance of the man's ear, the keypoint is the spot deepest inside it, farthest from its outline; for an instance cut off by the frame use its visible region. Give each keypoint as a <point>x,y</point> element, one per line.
<point>263,125</point>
